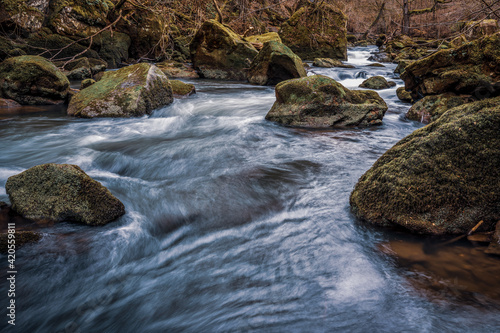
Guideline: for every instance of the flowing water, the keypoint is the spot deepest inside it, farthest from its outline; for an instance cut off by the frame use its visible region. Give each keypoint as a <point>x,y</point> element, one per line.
<point>233,224</point>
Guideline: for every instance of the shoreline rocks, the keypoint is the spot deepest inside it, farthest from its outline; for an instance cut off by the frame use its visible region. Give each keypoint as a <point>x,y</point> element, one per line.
<point>377,83</point>
<point>321,102</point>
<point>62,192</point>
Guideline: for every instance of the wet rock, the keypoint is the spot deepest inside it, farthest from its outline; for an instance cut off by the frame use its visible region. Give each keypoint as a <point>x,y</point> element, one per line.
<point>177,69</point>
<point>275,63</point>
<point>81,68</point>
<point>330,63</point>
<point>320,102</point>
<point>376,65</point>
<point>62,192</point>
<point>218,52</point>
<point>86,83</point>
<point>307,36</point>
<point>131,91</point>
<point>8,103</point>
<point>21,238</point>
<point>404,95</point>
<point>459,70</point>
<point>377,83</point>
<point>181,89</point>
<point>32,80</point>
<point>380,57</point>
<point>441,179</point>
<point>430,108</point>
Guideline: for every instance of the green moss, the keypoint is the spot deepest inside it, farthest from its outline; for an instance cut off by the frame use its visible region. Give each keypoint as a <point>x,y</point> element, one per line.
<point>441,179</point>
<point>268,37</point>
<point>430,108</point>
<point>181,89</point>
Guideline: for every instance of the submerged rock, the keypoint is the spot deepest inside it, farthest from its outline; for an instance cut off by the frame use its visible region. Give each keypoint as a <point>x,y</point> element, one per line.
<point>430,108</point>
<point>22,238</point>
<point>441,179</point>
<point>32,80</point>
<point>181,89</point>
<point>460,70</point>
<point>218,52</point>
<point>307,35</point>
<point>275,63</point>
<point>329,63</point>
<point>320,102</point>
<point>377,83</point>
<point>62,192</point>
<point>132,91</point>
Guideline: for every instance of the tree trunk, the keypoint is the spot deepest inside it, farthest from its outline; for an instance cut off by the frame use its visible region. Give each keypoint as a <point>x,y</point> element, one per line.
<point>406,19</point>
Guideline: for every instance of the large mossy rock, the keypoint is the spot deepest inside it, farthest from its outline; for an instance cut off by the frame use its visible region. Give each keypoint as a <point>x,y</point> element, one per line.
<point>431,107</point>
<point>275,63</point>
<point>112,47</point>
<point>460,70</point>
<point>316,31</point>
<point>321,102</point>
<point>181,89</point>
<point>218,52</point>
<point>62,192</point>
<point>24,16</point>
<point>441,179</point>
<point>377,83</point>
<point>56,46</point>
<point>128,92</point>
<point>32,80</point>
<point>81,68</point>
<point>264,38</point>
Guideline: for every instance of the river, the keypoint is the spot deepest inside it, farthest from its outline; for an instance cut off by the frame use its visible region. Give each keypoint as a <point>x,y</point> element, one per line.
<point>233,224</point>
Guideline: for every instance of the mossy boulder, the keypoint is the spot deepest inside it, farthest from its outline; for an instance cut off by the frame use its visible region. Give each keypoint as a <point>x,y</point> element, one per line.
<point>23,16</point>
<point>86,83</point>
<point>218,52</point>
<point>430,108</point>
<point>460,70</point>
<point>330,63</point>
<point>307,35</point>
<point>181,89</point>
<point>321,102</point>
<point>404,95</point>
<point>131,91</point>
<point>377,83</point>
<point>62,192</point>
<point>177,69</point>
<point>32,80</point>
<point>112,47</point>
<point>441,179</point>
<point>264,38</point>
<point>402,64</point>
<point>275,63</point>
<point>56,46</point>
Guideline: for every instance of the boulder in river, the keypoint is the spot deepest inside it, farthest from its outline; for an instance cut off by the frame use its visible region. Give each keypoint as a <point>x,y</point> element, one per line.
<point>181,89</point>
<point>275,63</point>
<point>22,237</point>
<point>260,40</point>
<point>32,80</point>
<point>131,91</point>
<point>441,179</point>
<point>62,192</point>
<point>404,95</point>
<point>308,35</point>
<point>460,70</point>
<point>321,102</point>
<point>431,107</point>
<point>377,83</point>
<point>81,68</point>
<point>218,52</point>
<point>329,63</point>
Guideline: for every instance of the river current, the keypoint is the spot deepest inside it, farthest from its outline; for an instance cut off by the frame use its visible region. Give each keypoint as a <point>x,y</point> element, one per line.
<point>233,224</point>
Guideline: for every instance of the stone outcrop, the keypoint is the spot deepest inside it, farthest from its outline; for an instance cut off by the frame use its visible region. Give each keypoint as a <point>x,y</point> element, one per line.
<point>218,52</point>
<point>181,89</point>
<point>320,102</point>
<point>62,192</point>
<point>441,179</point>
<point>128,92</point>
<point>32,80</point>
<point>275,63</point>
<point>377,83</point>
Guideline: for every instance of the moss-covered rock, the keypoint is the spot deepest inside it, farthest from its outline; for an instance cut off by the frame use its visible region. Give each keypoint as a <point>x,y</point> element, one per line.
<point>62,192</point>
<point>377,83</point>
<point>81,68</point>
<point>32,80</point>
<point>459,70</point>
<point>320,102</point>
<point>181,89</point>
<point>86,83</point>
<point>56,46</point>
<point>430,108</point>
<point>177,69</point>
<point>22,238</point>
<point>329,63</point>
<point>262,39</point>
<point>128,92</point>
<point>275,63</point>
<point>441,179</point>
<point>309,37</point>
<point>113,47</point>
<point>219,53</point>
<point>26,16</point>
<point>402,64</point>
<point>404,95</point>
